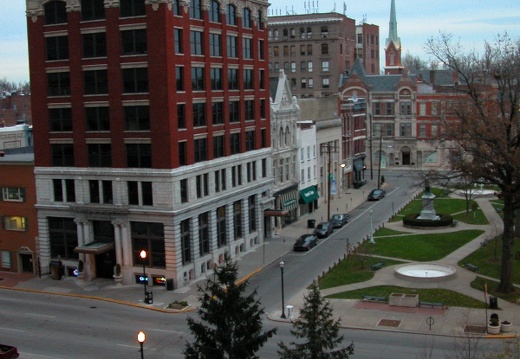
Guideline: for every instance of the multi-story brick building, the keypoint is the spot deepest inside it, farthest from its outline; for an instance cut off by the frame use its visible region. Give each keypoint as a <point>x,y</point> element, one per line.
<point>152,133</point>
<point>367,47</point>
<point>313,50</point>
<point>18,214</point>
<point>15,108</point>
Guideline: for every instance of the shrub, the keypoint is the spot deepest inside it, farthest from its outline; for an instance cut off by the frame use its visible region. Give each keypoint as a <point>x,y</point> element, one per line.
<point>411,220</point>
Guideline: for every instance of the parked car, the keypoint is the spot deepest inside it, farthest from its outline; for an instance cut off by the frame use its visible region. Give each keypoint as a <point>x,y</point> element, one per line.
<point>8,352</point>
<point>305,242</point>
<point>376,194</point>
<point>323,229</point>
<point>338,220</point>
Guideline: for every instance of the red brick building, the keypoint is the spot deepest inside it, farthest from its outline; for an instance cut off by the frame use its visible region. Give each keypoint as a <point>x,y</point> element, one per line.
<point>15,108</point>
<point>19,220</point>
<point>153,133</point>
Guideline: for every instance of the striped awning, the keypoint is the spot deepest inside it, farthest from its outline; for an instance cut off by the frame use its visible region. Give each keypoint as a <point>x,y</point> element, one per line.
<point>289,200</point>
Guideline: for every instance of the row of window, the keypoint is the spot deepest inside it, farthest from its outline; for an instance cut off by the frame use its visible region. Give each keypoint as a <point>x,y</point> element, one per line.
<point>290,33</point>
<point>135,80</point>
<point>235,79</point>
<point>140,155</point>
<point>189,234</point>
<point>305,50</point>
<point>137,118</point>
<point>133,42</point>
<point>305,66</point>
<point>55,11</point>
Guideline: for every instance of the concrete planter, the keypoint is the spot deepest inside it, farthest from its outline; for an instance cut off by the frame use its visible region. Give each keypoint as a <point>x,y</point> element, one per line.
<point>493,329</point>
<point>506,327</point>
<point>404,300</point>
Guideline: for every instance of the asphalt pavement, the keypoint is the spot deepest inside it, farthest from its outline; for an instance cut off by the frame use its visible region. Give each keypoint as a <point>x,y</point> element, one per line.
<point>359,314</point>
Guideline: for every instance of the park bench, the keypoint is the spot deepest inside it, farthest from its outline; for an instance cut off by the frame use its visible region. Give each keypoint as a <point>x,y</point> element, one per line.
<point>471,267</point>
<point>373,298</point>
<point>431,305</point>
<point>378,265</point>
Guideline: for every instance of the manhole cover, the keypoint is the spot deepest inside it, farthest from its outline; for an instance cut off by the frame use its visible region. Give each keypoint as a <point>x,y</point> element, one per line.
<point>474,329</point>
<point>389,323</point>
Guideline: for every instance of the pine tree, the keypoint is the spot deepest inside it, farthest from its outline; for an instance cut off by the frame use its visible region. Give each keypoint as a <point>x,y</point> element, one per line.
<point>318,329</point>
<point>231,324</point>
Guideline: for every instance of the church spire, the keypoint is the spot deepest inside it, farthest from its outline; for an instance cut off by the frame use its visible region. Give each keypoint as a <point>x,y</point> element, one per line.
<point>393,46</point>
<point>392,28</point>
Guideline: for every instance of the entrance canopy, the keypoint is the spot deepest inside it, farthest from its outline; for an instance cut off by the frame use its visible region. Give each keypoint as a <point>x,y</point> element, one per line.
<point>94,248</point>
<point>308,195</point>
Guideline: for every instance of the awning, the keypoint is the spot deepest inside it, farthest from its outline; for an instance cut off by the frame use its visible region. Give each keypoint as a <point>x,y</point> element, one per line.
<point>275,213</point>
<point>288,200</point>
<point>94,248</point>
<point>309,195</point>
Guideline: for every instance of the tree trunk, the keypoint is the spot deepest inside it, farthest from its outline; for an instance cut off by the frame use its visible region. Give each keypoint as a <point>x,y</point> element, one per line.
<point>517,223</point>
<point>506,281</point>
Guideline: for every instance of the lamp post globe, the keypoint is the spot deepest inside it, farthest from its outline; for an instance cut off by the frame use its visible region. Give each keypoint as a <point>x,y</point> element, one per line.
<point>282,264</point>
<point>141,337</point>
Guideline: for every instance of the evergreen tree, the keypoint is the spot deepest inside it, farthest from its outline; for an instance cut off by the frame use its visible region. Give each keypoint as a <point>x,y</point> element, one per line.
<point>318,329</point>
<point>231,323</point>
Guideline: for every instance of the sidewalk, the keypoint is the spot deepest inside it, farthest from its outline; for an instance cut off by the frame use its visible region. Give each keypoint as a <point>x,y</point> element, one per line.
<point>353,313</point>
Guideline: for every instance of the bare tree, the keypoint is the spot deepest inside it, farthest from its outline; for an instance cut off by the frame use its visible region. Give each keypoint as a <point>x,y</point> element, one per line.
<point>485,138</point>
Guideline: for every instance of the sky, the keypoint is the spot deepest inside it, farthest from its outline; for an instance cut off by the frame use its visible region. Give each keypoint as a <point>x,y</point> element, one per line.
<point>471,22</point>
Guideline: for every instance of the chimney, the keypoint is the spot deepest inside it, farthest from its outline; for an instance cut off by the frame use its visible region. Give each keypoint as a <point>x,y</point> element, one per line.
<point>432,77</point>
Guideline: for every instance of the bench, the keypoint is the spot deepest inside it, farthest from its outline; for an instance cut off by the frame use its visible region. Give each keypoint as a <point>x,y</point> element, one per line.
<point>431,305</point>
<point>471,267</point>
<point>373,298</point>
<point>378,265</point>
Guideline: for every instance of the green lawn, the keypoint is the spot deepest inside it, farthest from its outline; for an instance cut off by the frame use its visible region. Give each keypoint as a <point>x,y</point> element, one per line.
<point>354,270</point>
<point>419,247</point>
<point>479,283</point>
<point>449,298</point>
<point>489,263</point>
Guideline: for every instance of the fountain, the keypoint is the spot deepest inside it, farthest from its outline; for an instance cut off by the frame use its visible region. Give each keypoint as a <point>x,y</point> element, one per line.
<point>425,272</point>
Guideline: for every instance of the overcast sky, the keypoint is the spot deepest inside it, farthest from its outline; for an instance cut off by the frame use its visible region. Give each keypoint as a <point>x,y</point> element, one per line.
<point>470,21</point>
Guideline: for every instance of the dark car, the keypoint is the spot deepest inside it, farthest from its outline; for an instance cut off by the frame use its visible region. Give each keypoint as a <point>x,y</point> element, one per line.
<point>8,352</point>
<point>338,220</point>
<point>323,229</point>
<point>306,242</point>
<point>376,194</point>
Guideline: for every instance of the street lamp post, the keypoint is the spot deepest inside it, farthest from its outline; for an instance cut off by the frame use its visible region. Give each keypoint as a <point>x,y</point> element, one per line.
<point>141,337</point>
<point>143,255</point>
<point>282,264</point>
<point>371,228</point>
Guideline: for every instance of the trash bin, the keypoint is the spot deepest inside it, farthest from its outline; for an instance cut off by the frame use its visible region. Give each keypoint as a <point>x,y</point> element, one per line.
<point>148,299</point>
<point>169,284</point>
<point>56,269</point>
<point>493,302</point>
<point>311,223</point>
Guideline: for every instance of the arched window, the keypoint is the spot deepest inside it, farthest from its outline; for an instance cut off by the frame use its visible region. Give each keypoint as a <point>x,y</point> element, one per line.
<point>231,15</point>
<point>287,136</point>
<point>55,12</point>
<point>246,18</point>
<point>214,11</point>
<point>392,58</point>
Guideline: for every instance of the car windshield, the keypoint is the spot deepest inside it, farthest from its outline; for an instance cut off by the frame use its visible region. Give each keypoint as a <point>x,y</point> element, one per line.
<point>337,217</point>
<point>377,191</point>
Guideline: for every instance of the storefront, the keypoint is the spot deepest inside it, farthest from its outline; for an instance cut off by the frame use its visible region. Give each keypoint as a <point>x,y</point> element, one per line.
<point>287,201</point>
<point>308,200</point>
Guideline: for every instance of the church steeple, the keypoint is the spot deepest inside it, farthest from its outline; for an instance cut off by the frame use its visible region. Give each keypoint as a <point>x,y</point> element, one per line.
<point>392,28</point>
<point>393,45</point>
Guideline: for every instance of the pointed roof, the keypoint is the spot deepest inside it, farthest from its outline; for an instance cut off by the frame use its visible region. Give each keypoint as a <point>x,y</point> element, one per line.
<point>392,28</point>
